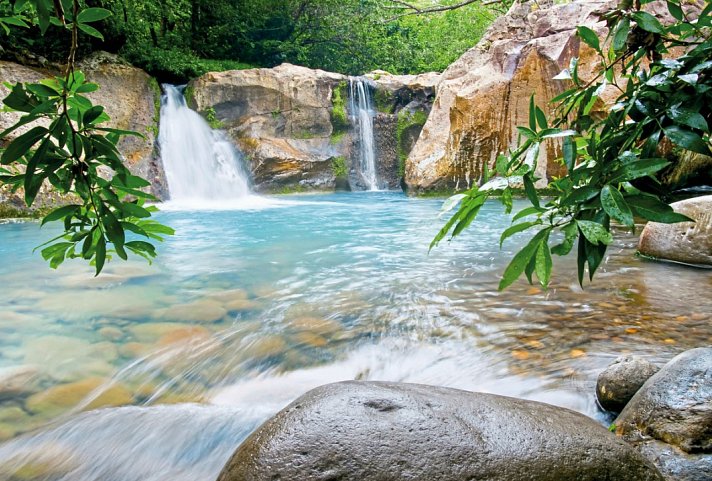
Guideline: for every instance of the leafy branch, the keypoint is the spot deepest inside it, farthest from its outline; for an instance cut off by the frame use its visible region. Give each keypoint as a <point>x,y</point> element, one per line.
<point>613,158</point>
<point>70,149</point>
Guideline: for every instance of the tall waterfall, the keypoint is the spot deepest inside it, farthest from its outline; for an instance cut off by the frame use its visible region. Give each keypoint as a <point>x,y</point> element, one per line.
<point>362,112</point>
<point>201,164</point>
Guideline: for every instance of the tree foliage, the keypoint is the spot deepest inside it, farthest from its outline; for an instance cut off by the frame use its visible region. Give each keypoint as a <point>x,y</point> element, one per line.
<point>662,76</point>
<point>67,145</point>
<point>175,40</point>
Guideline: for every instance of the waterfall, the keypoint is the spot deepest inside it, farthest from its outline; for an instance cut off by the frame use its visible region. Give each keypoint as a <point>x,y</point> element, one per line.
<point>201,164</point>
<point>362,112</point>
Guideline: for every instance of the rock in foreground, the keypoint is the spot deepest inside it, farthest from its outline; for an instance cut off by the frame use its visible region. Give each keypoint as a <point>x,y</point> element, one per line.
<point>675,405</point>
<point>389,431</point>
<point>686,242</point>
<point>619,382</point>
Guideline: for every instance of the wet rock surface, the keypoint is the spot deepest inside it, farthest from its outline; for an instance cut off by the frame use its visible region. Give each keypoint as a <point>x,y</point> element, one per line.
<point>485,94</point>
<point>675,405</point>
<point>669,419</point>
<point>391,431</point>
<point>619,382</point>
<point>685,242</point>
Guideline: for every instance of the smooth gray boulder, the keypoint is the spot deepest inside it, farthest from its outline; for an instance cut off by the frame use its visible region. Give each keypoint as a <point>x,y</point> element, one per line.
<point>675,405</point>
<point>619,382</point>
<point>380,431</point>
<point>669,419</point>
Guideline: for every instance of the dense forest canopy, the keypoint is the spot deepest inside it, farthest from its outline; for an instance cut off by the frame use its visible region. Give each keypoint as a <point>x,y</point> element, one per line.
<point>178,39</point>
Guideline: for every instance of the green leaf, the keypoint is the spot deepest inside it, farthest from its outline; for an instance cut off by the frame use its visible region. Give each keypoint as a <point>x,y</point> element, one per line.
<point>510,231</point>
<point>687,140</point>
<point>532,114</point>
<point>526,212</point>
<point>92,114</point>
<point>569,152</point>
<point>689,118</point>
<point>589,37</point>
<point>541,119</point>
<point>615,206</point>
<point>543,263</point>
<point>86,88</point>
<point>675,10</point>
<point>652,209</point>
<point>530,190</point>
<point>570,234</point>
<point>620,35</point>
<point>60,213</point>
<point>637,169</point>
<point>22,144</point>
<point>100,254</point>
<point>522,258</point>
<point>594,232</point>
<point>16,21</point>
<point>89,30</point>
<point>18,99</point>
<point>89,15</point>
<point>648,23</point>
<point>135,210</point>
<point>113,229</point>
<point>528,133</point>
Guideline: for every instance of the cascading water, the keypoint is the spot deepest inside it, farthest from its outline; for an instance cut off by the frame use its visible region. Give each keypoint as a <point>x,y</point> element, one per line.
<point>201,164</point>
<point>362,112</point>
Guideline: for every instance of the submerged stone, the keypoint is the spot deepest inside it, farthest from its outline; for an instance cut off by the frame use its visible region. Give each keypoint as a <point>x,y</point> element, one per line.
<point>390,431</point>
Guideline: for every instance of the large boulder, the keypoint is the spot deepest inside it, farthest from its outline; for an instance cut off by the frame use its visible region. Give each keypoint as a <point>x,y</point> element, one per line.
<point>670,418</point>
<point>391,431</point>
<point>485,94</point>
<point>131,98</point>
<point>675,405</point>
<point>686,242</point>
<point>293,123</point>
<point>619,382</point>
<point>281,118</point>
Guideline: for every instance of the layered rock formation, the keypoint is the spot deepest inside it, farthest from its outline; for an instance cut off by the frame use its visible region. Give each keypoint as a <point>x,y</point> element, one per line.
<point>131,99</point>
<point>293,123</point>
<point>485,94</point>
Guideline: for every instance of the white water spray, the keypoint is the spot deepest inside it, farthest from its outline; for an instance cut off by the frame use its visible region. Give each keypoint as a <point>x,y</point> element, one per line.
<point>362,112</point>
<point>201,164</point>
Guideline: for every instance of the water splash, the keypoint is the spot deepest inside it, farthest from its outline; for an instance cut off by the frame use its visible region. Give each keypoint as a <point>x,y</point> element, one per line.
<point>202,166</point>
<point>362,112</point>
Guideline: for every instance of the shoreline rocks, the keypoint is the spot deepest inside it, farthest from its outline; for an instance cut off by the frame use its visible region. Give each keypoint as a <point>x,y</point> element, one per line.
<point>619,382</point>
<point>684,242</point>
<point>396,431</point>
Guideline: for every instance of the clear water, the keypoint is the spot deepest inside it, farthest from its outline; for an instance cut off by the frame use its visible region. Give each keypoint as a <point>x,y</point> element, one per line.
<point>362,112</point>
<point>245,310</point>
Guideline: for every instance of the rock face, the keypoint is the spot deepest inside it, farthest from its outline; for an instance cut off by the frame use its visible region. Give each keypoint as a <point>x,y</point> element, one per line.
<point>292,123</point>
<point>619,382</point>
<point>670,417</point>
<point>686,242</point>
<point>130,97</point>
<point>485,94</point>
<point>391,431</point>
<point>281,120</point>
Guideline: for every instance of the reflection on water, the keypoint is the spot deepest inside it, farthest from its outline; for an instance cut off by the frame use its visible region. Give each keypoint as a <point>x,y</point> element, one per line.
<point>245,310</point>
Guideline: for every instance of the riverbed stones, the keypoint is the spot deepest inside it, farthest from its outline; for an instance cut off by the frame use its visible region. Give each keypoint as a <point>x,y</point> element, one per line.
<point>392,431</point>
<point>617,384</point>
<point>202,310</point>
<point>674,405</point>
<point>18,381</point>
<point>686,242</point>
<point>95,392</point>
